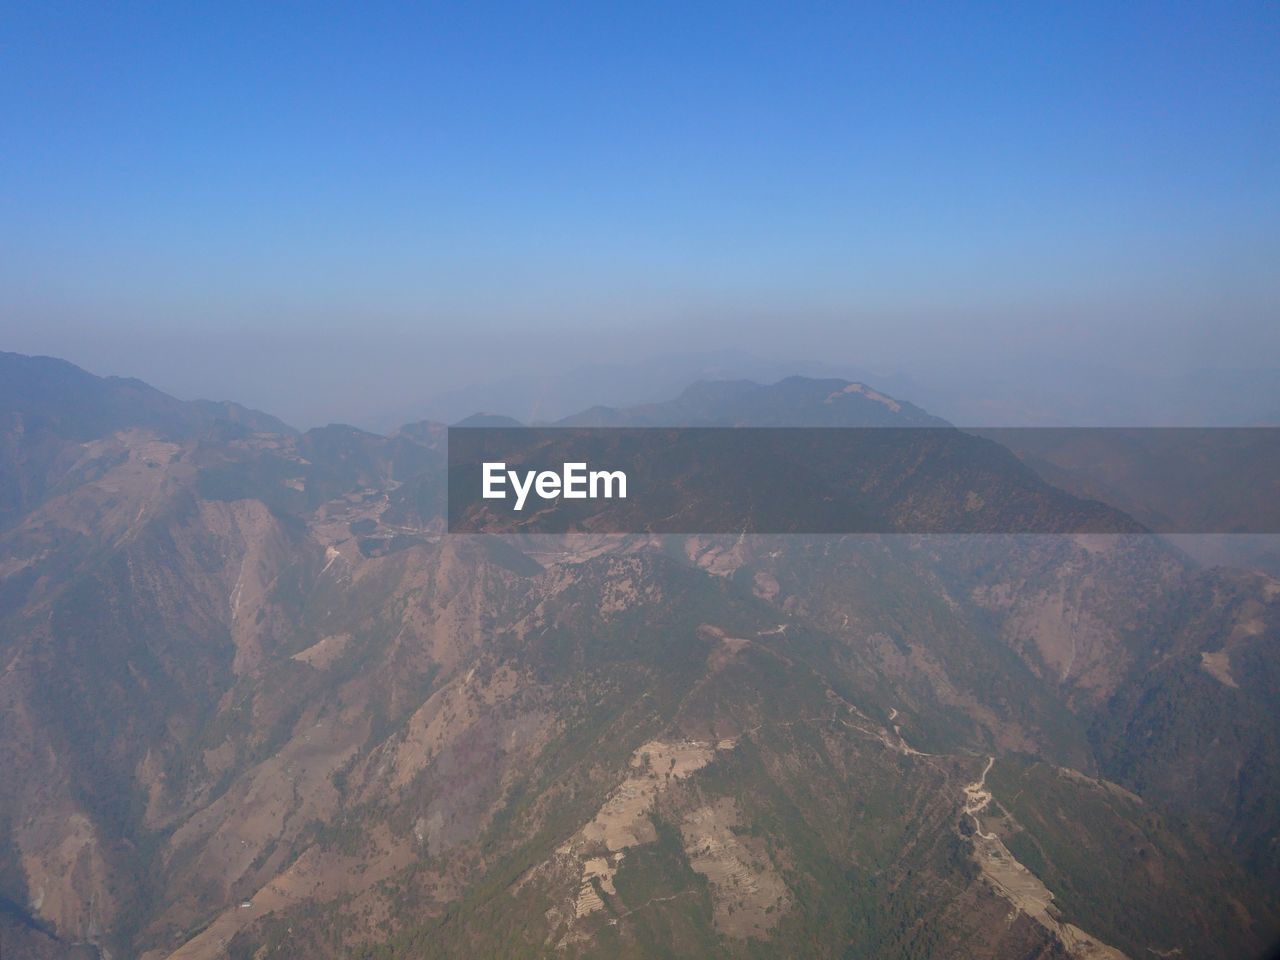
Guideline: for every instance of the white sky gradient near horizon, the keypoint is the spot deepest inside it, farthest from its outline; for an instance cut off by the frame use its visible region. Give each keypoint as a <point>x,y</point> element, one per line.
<point>1023,215</point>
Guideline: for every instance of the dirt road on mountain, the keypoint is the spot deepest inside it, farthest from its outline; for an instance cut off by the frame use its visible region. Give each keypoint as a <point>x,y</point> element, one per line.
<point>1022,888</point>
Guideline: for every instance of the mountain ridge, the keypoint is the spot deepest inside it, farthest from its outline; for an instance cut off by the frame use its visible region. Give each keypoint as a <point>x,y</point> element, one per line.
<point>245,667</point>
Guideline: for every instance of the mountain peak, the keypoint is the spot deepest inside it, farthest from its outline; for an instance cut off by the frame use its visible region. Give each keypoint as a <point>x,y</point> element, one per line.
<point>79,404</point>
<point>792,401</point>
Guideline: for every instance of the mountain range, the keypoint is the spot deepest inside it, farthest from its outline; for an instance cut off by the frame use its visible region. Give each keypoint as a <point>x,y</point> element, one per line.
<point>256,702</point>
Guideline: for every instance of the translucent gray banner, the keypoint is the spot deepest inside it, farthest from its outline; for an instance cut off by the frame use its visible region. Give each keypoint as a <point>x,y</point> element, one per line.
<point>863,480</point>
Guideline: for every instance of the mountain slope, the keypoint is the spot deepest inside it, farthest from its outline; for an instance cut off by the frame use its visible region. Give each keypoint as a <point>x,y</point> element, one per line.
<point>48,407</point>
<point>247,667</point>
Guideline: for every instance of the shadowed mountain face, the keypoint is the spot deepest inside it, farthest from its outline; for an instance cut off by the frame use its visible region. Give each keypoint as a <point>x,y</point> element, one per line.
<point>255,703</point>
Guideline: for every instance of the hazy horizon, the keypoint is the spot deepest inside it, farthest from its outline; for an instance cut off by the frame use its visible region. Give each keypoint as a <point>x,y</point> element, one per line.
<point>348,217</point>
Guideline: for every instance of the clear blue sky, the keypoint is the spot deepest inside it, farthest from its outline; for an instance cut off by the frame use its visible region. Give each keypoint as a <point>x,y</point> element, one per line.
<point>183,171</point>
